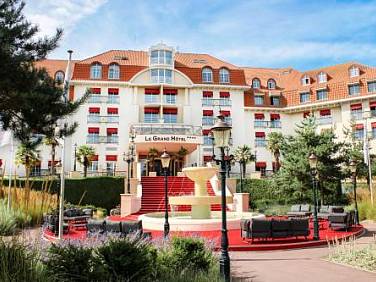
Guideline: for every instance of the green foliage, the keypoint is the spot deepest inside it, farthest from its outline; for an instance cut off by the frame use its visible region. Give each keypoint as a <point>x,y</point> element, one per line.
<point>10,219</point>
<point>27,154</point>
<point>366,210</point>
<point>84,155</point>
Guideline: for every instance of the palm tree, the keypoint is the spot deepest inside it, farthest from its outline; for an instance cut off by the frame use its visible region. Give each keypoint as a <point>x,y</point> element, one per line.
<point>275,140</point>
<point>181,155</point>
<point>85,154</point>
<point>152,155</point>
<point>243,155</point>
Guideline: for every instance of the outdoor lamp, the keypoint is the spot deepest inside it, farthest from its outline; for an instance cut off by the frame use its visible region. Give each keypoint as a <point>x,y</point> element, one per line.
<point>221,132</point>
<point>312,161</point>
<point>165,159</point>
<point>352,166</point>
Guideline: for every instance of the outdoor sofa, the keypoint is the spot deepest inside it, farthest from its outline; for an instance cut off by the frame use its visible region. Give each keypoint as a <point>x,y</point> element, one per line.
<point>121,227</point>
<point>300,211</point>
<point>341,220</point>
<point>325,211</point>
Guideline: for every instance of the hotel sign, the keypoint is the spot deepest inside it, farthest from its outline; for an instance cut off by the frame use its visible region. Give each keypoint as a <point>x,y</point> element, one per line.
<point>168,138</point>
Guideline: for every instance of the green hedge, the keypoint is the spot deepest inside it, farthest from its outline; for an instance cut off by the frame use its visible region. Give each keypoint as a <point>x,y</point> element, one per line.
<point>101,191</point>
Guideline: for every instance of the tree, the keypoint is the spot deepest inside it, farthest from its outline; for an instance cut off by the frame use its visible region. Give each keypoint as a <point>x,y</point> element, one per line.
<point>181,155</point>
<point>275,140</point>
<point>152,155</point>
<point>85,154</point>
<point>243,155</point>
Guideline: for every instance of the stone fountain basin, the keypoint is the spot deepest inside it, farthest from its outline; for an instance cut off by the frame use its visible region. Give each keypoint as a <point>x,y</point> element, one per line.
<point>197,200</point>
<point>200,173</point>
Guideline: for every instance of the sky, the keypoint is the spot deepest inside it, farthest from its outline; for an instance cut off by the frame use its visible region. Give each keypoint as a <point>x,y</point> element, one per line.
<point>256,33</point>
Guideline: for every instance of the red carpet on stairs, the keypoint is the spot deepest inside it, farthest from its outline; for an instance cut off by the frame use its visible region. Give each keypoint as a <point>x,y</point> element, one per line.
<point>153,193</point>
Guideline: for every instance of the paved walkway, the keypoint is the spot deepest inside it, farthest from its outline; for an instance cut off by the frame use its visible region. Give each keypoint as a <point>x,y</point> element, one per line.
<point>303,265</point>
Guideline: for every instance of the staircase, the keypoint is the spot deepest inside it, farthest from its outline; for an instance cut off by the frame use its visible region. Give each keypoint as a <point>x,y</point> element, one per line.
<point>153,193</point>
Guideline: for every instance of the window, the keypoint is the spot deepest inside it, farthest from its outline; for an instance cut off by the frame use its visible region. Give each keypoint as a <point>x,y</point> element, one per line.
<point>354,71</point>
<point>151,115</point>
<point>371,86</point>
<point>306,80</point>
<point>260,140</point>
<point>161,76</point>
<point>322,94</point>
<point>207,98</point>
<point>373,126</point>
<point>274,101</point>
<point>372,106</point>
<point>256,83</point>
<point>163,57</point>
<point>261,167</point>
<point>93,166</point>
<point>259,100</point>
<point>93,135</point>
<point>305,97</point>
<point>113,95</point>
<point>359,132</point>
<point>59,77</point>
<point>96,71</point>
<point>354,89</point>
<point>356,111</point>
<point>114,71</point>
<point>321,77</point>
<point>224,75</point>
<point>271,84</point>
<point>151,98</point>
<point>207,75</point>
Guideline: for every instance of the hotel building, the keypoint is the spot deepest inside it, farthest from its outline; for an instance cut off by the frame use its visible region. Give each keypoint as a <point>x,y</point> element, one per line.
<point>168,99</point>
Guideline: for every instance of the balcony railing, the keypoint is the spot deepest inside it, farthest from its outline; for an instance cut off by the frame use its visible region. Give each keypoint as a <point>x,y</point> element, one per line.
<point>102,139</point>
<point>110,99</point>
<point>164,128</point>
<point>325,120</point>
<point>102,119</point>
<point>216,102</point>
<point>266,124</point>
<point>211,120</point>
<point>260,143</point>
<point>357,115</point>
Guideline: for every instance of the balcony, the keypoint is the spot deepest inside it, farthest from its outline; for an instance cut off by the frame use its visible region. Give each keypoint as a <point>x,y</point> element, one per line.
<point>102,119</point>
<point>356,115</point>
<point>208,120</point>
<point>110,99</point>
<point>152,99</point>
<point>325,120</point>
<point>216,102</point>
<point>260,143</point>
<point>164,128</point>
<point>267,124</point>
<point>96,139</point>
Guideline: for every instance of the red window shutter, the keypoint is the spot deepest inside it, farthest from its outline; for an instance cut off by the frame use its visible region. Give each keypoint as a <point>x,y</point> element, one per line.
<point>207,94</point>
<point>154,91</point>
<point>274,116</point>
<point>259,116</point>
<point>112,131</point>
<point>261,164</point>
<point>170,91</point>
<point>206,132</point>
<point>260,134</point>
<point>207,112</point>
<point>208,158</point>
<point>94,158</point>
<point>224,94</point>
<point>372,104</point>
<point>325,112</point>
<point>306,114</point>
<point>225,113</point>
<point>93,130</point>
<point>95,90</point>
<point>170,111</point>
<point>355,107</point>
<point>151,110</point>
<point>373,124</point>
<point>94,110</point>
<point>113,111</point>
<point>359,126</point>
<point>111,158</point>
<point>113,91</point>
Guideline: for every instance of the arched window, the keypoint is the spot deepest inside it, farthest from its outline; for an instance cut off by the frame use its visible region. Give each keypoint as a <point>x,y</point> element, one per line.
<point>306,80</point>
<point>271,84</point>
<point>354,71</point>
<point>96,71</point>
<point>256,83</point>
<point>224,75</point>
<point>59,76</point>
<point>207,75</point>
<point>321,77</point>
<point>114,71</point>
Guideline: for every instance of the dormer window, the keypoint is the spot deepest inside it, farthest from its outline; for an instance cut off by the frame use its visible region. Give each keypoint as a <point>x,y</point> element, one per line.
<point>306,80</point>
<point>96,71</point>
<point>256,83</point>
<point>161,57</point>
<point>59,77</point>
<point>354,71</point>
<point>271,84</point>
<point>114,71</point>
<point>207,75</point>
<point>224,75</point>
<point>322,77</point>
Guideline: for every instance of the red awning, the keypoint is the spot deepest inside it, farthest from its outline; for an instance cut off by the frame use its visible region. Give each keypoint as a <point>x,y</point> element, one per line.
<point>325,112</point>
<point>94,158</point>
<point>261,164</point>
<point>93,130</point>
<point>359,126</point>
<point>372,104</point>
<point>94,110</point>
<point>112,131</point>
<point>224,94</point>
<point>113,91</point>
<point>113,111</point>
<point>95,90</point>
<point>111,158</point>
<point>373,124</point>
<point>170,111</point>
<point>207,112</point>
<point>207,94</point>
<point>170,91</point>
<point>259,116</point>
<point>274,116</point>
<point>208,158</point>
<point>225,113</point>
<point>151,110</point>
<point>260,134</point>
<point>206,132</point>
<point>152,91</point>
<point>356,107</point>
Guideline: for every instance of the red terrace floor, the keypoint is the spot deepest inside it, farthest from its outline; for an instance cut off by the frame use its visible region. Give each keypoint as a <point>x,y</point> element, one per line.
<point>235,241</point>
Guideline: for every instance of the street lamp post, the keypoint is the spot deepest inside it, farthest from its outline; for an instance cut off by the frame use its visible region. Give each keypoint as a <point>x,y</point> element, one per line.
<point>353,178</point>
<point>165,159</point>
<point>221,132</point>
<point>75,157</point>
<point>313,166</point>
<point>127,158</point>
